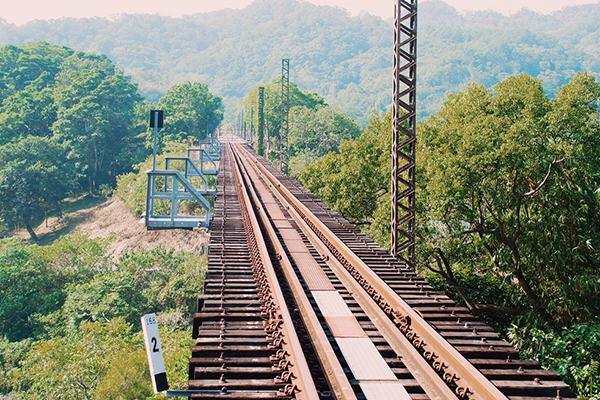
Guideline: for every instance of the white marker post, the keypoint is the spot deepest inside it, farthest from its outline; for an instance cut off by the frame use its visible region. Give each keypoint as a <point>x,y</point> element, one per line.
<point>154,352</point>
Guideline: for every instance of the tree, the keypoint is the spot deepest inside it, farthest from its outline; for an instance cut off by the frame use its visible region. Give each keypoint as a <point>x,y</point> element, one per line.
<point>508,185</point>
<point>495,182</point>
<point>319,131</point>
<point>33,179</point>
<point>272,109</point>
<point>190,111</point>
<point>353,181</point>
<point>79,99</point>
<point>96,109</point>
<point>315,127</point>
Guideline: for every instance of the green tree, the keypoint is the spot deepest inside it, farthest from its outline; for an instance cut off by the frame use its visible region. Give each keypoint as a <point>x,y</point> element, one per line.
<point>79,99</point>
<point>34,279</point>
<point>272,110</point>
<point>72,366</point>
<point>508,184</point>
<point>33,180</point>
<point>96,108</point>
<point>494,177</point>
<point>27,112</point>
<point>354,180</point>
<point>191,110</point>
<point>314,133</point>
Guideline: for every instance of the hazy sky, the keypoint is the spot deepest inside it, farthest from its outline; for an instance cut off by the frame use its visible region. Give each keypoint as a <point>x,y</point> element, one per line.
<point>21,11</point>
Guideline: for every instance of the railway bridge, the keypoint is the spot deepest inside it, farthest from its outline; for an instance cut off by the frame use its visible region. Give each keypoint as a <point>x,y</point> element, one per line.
<point>299,304</point>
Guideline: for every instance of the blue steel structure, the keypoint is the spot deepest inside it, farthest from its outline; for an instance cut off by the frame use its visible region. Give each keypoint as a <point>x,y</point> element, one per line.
<point>191,183</point>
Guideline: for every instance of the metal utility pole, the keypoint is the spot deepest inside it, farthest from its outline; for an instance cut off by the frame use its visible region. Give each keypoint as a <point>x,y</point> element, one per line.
<point>156,122</point>
<point>285,112</point>
<point>260,140</point>
<point>251,125</point>
<point>404,131</point>
<point>242,126</point>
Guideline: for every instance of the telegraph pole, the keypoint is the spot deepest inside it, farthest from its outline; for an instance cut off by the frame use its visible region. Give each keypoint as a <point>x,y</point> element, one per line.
<point>404,131</point>
<point>285,112</point>
<point>260,140</point>
<point>251,125</point>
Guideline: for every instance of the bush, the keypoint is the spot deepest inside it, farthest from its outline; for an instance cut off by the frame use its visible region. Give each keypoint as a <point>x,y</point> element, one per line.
<point>34,280</point>
<point>156,280</point>
<point>572,351</point>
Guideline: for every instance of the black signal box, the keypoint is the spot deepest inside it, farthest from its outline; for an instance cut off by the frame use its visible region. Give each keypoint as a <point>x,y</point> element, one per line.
<point>161,115</point>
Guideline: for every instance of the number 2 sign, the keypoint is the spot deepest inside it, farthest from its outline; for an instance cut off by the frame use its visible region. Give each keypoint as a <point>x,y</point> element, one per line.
<point>154,352</point>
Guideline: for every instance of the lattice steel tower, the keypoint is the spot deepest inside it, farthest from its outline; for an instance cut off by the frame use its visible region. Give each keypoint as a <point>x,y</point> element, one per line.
<point>285,113</point>
<point>260,140</point>
<point>404,131</point>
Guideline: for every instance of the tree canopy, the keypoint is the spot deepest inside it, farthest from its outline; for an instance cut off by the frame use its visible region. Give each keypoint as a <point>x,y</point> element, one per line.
<point>190,111</point>
<point>33,180</point>
<point>76,99</point>
<point>71,121</point>
<point>512,177</point>
<point>508,185</point>
<point>315,128</point>
<point>345,59</point>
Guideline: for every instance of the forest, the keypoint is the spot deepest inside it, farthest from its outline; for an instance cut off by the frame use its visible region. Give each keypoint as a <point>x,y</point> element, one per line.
<point>344,59</point>
<point>72,125</point>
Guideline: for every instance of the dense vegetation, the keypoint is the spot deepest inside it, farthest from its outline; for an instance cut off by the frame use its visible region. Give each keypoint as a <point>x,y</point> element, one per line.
<point>315,127</point>
<point>191,112</point>
<point>71,122</point>
<point>509,185</point>
<point>70,314</point>
<point>345,59</point>
<point>66,122</point>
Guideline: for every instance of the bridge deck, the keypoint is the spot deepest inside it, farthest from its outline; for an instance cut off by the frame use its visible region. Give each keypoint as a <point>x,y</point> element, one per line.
<point>368,326</point>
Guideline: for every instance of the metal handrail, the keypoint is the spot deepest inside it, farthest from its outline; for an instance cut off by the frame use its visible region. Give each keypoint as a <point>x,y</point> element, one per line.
<point>175,195</point>
<point>190,171</point>
<point>212,147</point>
<point>202,153</point>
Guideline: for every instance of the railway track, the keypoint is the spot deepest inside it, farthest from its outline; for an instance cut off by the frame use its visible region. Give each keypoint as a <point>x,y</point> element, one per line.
<point>300,304</point>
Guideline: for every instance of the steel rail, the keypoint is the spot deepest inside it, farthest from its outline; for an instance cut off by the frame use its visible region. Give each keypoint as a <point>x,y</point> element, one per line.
<point>301,375</point>
<point>335,372</point>
<point>428,379</point>
<point>456,370</point>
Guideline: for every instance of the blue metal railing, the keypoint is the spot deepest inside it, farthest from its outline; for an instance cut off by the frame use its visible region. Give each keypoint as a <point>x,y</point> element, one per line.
<point>191,170</point>
<point>202,159</point>
<point>180,189</point>
<point>174,186</point>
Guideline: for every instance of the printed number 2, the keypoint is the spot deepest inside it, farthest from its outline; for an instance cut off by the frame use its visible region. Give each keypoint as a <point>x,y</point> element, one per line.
<point>154,345</point>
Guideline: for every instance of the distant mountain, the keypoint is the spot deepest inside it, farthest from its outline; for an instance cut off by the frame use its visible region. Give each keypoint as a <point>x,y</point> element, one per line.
<point>345,59</point>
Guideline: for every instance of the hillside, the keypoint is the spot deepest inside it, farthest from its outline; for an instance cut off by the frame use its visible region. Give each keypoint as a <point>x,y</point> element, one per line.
<point>99,218</point>
<point>345,59</point>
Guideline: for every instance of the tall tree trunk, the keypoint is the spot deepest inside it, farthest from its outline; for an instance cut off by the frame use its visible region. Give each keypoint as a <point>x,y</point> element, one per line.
<point>30,230</point>
<point>524,283</point>
<point>491,309</point>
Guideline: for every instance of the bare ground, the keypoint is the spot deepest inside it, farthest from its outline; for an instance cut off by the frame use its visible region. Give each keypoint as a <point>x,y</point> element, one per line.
<point>109,218</point>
